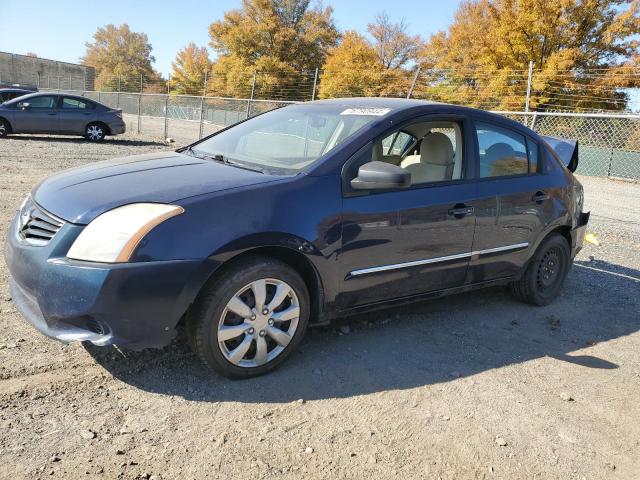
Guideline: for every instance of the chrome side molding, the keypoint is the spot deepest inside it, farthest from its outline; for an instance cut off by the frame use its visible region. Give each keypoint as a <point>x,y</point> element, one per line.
<point>427,261</point>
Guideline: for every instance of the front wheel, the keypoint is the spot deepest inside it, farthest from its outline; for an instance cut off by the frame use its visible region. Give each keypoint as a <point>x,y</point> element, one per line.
<point>95,132</point>
<point>250,318</point>
<point>544,277</point>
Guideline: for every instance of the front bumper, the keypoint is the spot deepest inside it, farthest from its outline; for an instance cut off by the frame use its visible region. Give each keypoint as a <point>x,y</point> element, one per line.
<point>136,305</point>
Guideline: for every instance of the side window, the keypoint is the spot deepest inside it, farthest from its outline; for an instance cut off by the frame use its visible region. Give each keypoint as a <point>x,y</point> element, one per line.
<point>75,103</point>
<point>397,143</point>
<point>46,101</point>
<point>431,151</point>
<point>502,151</point>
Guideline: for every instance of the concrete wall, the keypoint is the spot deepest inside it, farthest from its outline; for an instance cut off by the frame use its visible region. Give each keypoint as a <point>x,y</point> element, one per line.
<point>44,73</point>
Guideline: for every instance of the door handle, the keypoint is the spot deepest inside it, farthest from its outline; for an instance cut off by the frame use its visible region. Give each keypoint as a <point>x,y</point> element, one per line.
<point>540,197</point>
<point>460,210</point>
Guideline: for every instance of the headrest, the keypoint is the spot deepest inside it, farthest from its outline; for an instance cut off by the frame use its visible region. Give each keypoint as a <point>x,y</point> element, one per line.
<point>436,149</point>
<point>498,151</point>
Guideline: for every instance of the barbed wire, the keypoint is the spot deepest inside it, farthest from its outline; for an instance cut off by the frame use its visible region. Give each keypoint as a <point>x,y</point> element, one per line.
<point>582,89</point>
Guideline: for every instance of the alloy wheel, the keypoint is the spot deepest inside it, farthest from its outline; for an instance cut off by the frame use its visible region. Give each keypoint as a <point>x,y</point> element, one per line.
<point>3,129</point>
<point>258,322</point>
<point>95,132</point>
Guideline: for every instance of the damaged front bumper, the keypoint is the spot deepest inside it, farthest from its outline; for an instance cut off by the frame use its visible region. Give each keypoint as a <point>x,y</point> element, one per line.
<point>136,305</point>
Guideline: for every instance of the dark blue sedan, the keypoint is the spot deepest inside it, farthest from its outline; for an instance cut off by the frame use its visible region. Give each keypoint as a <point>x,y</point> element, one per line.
<point>292,218</point>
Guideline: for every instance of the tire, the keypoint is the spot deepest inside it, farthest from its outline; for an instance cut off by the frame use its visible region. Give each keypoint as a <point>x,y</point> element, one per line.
<point>5,128</point>
<point>544,277</point>
<point>247,330</point>
<point>95,132</point>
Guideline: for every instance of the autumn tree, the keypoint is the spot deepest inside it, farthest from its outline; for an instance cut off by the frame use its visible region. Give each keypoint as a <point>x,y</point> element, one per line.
<point>582,50</point>
<point>120,57</point>
<point>189,69</point>
<point>378,67</point>
<point>394,46</point>
<point>277,38</point>
<point>352,69</point>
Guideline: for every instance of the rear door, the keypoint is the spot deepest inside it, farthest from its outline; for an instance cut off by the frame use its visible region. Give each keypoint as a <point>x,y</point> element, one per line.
<point>515,201</point>
<point>400,243</point>
<point>74,114</point>
<point>40,116</point>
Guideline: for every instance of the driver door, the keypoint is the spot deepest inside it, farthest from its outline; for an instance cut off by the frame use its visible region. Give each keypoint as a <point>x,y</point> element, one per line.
<point>406,242</point>
<point>41,115</point>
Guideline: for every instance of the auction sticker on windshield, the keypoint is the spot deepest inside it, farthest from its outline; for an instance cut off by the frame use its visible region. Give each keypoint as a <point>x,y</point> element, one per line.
<point>377,112</point>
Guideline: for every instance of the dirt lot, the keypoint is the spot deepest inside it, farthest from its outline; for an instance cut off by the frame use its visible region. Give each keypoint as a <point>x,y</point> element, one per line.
<point>472,386</point>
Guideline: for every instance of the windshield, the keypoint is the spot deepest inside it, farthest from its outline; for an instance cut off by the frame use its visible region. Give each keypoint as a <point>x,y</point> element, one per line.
<point>290,138</point>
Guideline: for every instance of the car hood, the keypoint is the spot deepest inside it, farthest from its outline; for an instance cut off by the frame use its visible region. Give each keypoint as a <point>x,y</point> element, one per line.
<point>81,194</point>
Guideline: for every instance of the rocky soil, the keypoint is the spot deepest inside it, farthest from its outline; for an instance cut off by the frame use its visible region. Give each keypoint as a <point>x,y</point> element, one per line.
<point>472,386</point>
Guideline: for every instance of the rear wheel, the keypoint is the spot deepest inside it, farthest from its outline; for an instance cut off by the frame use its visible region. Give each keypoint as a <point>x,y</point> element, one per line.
<point>95,132</point>
<point>544,277</point>
<point>250,318</point>
<point>4,128</point>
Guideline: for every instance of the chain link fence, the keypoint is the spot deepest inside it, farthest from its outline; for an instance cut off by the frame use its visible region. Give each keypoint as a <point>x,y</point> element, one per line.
<point>609,138</point>
<point>609,144</point>
<point>182,118</point>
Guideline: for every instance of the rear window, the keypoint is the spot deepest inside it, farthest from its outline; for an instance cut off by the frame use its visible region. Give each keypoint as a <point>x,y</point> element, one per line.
<point>504,152</point>
<point>76,103</point>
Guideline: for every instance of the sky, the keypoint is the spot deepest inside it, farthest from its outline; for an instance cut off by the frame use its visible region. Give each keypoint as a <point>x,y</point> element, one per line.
<point>59,29</point>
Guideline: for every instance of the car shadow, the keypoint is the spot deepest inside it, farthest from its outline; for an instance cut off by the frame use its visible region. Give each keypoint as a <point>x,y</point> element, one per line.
<point>402,348</point>
<point>80,140</point>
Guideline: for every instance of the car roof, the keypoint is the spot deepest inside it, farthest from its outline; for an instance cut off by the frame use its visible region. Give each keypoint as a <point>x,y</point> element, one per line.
<point>57,94</point>
<point>396,105</point>
<point>377,102</point>
<point>15,89</point>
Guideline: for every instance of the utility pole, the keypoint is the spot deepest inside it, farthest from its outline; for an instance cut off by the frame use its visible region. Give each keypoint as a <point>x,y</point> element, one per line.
<point>166,109</point>
<point>253,89</point>
<point>118,97</point>
<point>413,83</point>
<point>140,105</point>
<point>204,94</point>
<point>315,84</point>
<point>528,99</point>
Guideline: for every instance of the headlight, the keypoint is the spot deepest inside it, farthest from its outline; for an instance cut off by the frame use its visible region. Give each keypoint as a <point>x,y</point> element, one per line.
<point>113,236</point>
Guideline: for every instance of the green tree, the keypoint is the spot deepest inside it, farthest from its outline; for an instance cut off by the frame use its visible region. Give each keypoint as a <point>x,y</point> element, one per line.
<point>119,53</point>
<point>482,59</point>
<point>189,69</point>
<point>278,38</point>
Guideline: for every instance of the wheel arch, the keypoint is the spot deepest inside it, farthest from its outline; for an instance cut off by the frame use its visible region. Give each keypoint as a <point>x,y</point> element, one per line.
<point>98,122</point>
<point>565,231</point>
<point>295,259</point>
<point>6,120</point>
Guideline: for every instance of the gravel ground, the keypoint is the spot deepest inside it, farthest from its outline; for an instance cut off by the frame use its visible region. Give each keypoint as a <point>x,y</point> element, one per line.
<point>472,386</point>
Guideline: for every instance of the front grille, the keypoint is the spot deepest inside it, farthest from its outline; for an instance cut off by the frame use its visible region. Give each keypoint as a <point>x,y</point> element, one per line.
<point>36,226</point>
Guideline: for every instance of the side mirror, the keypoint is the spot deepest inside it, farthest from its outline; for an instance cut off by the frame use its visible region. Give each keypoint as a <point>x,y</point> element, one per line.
<point>24,105</point>
<point>380,175</point>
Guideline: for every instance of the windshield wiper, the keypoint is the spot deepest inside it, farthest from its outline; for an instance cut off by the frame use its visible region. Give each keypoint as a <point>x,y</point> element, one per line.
<point>239,164</point>
<point>221,158</point>
<point>192,151</point>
